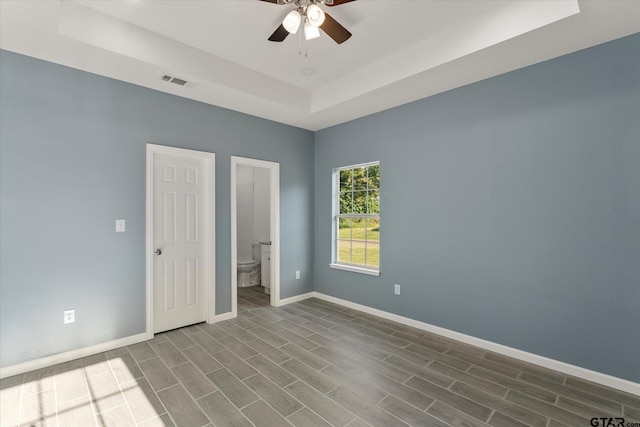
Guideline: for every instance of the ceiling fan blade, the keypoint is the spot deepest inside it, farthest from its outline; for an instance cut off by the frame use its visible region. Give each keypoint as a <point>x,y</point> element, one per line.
<point>335,2</point>
<point>279,34</point>
<point>271,1</point>
<point>334,30</point>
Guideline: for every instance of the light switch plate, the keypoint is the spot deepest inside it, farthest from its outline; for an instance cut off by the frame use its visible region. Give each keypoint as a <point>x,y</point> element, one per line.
<point>120,226</point>
<point>297,275</point>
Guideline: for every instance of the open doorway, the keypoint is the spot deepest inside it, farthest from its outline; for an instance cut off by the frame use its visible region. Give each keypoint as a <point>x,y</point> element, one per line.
<point>255,228</point>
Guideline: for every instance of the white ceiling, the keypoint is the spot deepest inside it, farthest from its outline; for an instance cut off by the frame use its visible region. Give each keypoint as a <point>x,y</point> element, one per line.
<point>400,51</point>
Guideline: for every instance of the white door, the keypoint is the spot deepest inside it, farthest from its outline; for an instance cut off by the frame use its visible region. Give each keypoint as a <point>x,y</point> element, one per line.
<point>179,268</point>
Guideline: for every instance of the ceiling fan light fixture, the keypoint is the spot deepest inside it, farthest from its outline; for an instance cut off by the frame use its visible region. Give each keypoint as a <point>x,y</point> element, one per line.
<point>291,22</point>
<point>311,31</point>
<point>315,15</point>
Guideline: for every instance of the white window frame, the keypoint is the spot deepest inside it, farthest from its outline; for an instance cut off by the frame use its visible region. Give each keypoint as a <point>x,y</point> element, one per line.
<point>356,268</point>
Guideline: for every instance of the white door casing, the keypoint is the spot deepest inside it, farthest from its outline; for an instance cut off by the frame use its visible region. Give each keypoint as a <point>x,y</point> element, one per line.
<point>180,237</point>
<point>274,228</point>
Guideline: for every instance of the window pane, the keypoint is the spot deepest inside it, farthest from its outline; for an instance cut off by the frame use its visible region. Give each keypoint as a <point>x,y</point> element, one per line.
<point>346,202</point>
<point>373,230</point>
<point>373,254</point>
<point>359,202</point>
<point>359,178</point>
<point>358,240</point>
<point>374,176</point>
<point>344,251</point>
<point>357,228</point>
<point>344,230</point>
<point>358,252</point>
<point>373,202</point>
<point>345,180</point>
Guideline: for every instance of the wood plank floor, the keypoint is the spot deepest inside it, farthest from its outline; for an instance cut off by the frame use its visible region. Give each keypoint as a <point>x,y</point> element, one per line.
<point>311,363</point>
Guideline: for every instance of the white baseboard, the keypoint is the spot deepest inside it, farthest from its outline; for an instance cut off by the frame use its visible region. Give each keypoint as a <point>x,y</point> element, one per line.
<point>231,315</point>
<point>566,368</point>
<point>54,359</point>
<point>44,362</point>
<point>224,316</point>
<point>296,298</point>
<point>577,371</point>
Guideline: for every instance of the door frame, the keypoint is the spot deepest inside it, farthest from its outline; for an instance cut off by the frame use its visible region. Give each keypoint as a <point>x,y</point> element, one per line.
<point>208,230</point>
<point>274,227</point>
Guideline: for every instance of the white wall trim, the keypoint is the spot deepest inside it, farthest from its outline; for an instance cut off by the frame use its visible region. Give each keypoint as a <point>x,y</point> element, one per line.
<point>297,298</point>
<point>224,316</point>
<point>234,236</point>
<point>274,253</point>
<point>231,315</point>
<point>54,359</point>
<point>566,368</point>
<point>45,362</point>
<point>577,371</point>
<point>355,269</point>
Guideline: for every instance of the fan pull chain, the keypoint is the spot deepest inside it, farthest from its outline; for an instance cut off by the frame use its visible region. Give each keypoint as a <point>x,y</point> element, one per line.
<point>302,41</point>
<point>300,44</point>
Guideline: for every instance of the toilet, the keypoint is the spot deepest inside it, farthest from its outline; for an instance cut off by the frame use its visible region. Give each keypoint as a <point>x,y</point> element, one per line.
<point>249,269</point>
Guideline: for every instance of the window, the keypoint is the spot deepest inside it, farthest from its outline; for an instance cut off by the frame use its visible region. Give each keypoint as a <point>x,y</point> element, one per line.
<point>356,217</point>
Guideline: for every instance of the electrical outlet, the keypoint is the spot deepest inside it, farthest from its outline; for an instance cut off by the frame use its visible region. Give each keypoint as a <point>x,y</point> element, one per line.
<point>69,316</point>
<point>396,289</point>
<point>297,275</point>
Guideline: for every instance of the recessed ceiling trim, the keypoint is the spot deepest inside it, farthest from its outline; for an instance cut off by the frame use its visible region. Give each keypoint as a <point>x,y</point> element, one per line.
<point>198,34</point>
<point>505,22</point>
<point>99,30</point>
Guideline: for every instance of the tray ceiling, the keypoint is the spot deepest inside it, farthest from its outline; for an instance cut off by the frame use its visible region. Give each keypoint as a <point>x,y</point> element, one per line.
<point>400,51</point>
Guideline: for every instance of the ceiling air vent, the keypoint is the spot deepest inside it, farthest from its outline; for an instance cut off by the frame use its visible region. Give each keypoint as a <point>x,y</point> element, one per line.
<point>174,80</point>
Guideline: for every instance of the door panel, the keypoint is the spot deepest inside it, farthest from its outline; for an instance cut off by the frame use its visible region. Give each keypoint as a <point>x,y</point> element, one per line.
<point>179,293</point>
<point>168,283</point>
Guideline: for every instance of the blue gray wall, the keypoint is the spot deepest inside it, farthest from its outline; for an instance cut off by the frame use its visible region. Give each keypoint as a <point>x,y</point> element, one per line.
<point>72,160</point>
<point>510,209</point>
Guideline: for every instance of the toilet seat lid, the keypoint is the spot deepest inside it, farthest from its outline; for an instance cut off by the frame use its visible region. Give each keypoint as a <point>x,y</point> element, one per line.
<point>245,261</point>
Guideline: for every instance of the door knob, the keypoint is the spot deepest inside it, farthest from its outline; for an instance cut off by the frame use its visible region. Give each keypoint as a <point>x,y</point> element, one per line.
<point>158,252</point>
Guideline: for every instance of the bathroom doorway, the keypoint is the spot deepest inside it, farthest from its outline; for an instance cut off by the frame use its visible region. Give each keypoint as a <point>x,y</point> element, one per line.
<point>255,229</point>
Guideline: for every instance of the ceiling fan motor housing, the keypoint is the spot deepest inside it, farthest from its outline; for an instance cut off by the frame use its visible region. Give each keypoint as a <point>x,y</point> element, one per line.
<point>313,18</point>
<point>305,2</point>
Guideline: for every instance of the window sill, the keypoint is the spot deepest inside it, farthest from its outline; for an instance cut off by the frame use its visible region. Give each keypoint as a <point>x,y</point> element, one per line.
<point>355,269</point>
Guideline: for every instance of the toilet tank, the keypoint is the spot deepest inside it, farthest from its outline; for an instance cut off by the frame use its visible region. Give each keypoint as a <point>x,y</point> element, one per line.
<point>257,247</point>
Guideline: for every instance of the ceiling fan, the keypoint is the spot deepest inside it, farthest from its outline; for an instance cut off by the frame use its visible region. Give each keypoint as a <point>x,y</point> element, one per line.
<point>311,17</point>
